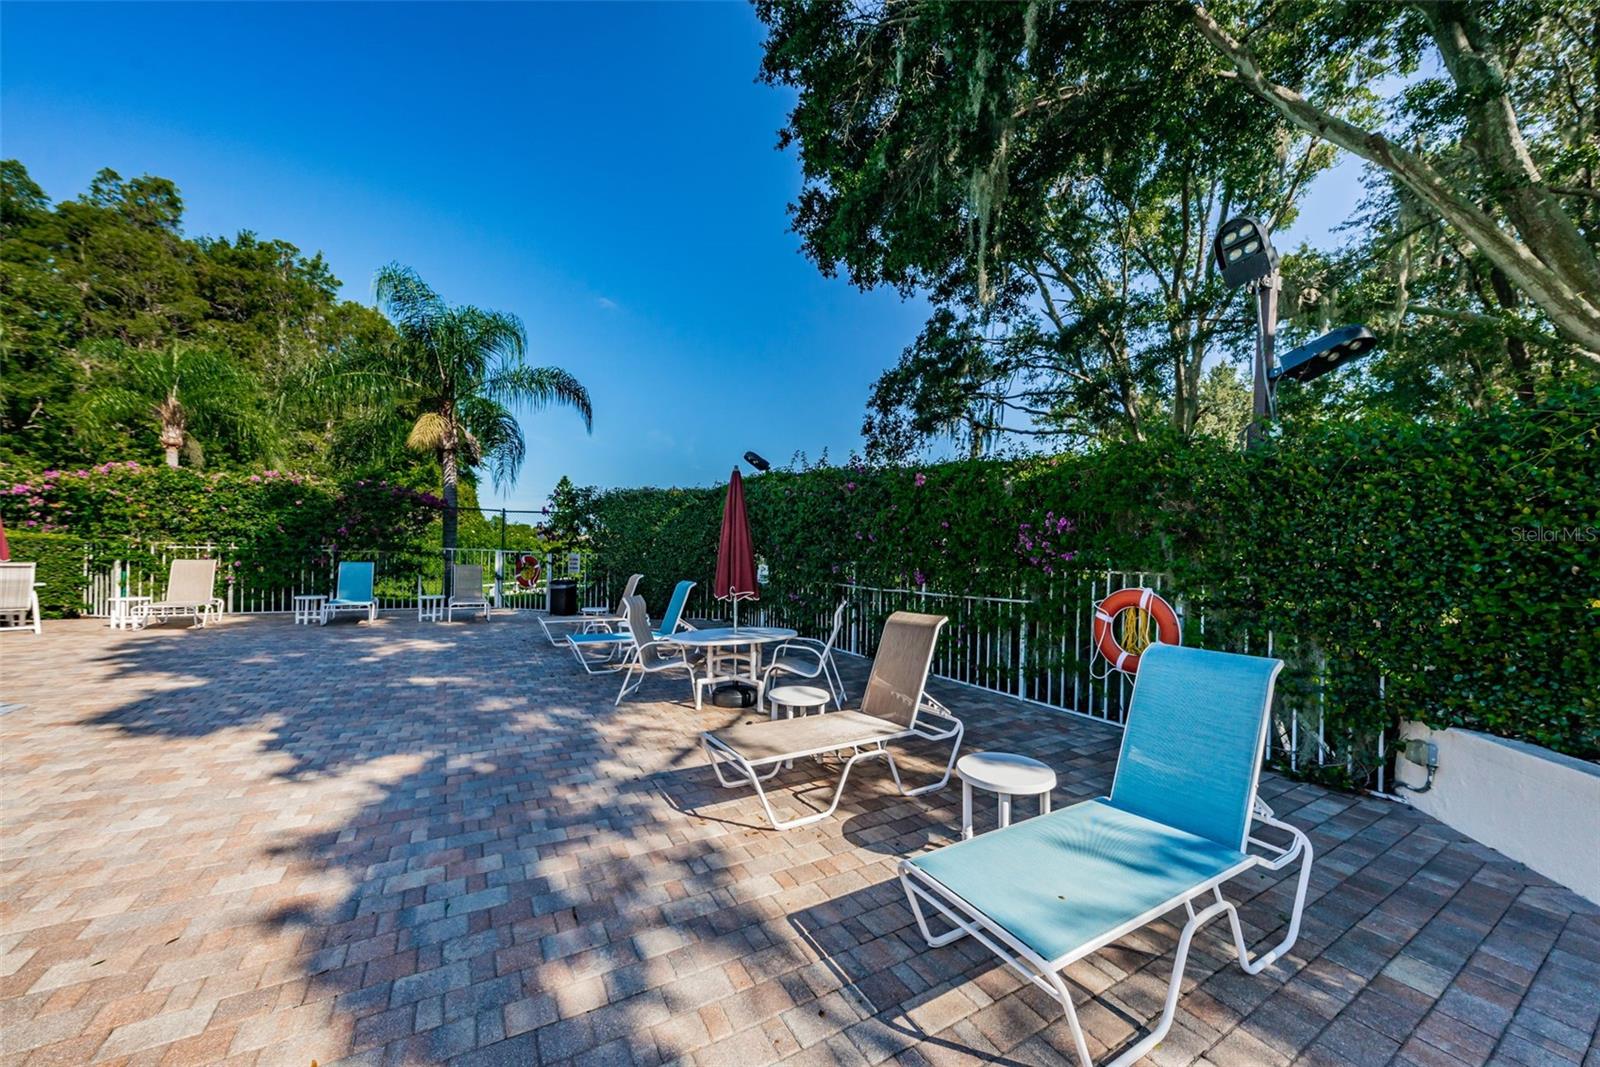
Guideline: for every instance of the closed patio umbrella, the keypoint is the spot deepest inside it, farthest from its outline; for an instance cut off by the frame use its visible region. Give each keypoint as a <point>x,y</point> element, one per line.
<point>736,559</point>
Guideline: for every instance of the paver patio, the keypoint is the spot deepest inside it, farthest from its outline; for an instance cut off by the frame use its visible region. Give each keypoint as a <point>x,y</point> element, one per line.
<point>404,843</point>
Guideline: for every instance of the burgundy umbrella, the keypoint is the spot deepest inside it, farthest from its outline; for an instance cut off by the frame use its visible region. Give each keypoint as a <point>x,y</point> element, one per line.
<point>736,560</point>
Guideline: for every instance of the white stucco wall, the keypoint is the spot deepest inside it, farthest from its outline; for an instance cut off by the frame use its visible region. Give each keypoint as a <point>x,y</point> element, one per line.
<point>1532,804</point>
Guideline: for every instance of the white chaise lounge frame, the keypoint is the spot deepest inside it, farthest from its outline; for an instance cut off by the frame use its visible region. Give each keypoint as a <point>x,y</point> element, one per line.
<point>191,590</point>
<point>929,721</point>
<point>582,623</point>
<point>967,920</point>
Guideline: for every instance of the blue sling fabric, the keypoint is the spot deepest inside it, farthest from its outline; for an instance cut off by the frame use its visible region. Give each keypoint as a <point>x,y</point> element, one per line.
<point>674,613</point>
<point>354,584</point>
<point>1061,881</point>
<point>1193,740</point>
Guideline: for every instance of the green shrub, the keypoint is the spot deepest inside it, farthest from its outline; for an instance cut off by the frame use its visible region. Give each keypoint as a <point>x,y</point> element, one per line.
<point>60,568</point>
<point>1455,560</point>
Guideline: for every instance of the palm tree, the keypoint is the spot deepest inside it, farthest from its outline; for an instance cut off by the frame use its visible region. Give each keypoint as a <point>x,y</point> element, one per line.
<point>463,368</point>
<point>179,389</point>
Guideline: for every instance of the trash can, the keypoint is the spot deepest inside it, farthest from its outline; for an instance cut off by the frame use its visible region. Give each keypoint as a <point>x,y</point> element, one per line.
<point>563,596</point>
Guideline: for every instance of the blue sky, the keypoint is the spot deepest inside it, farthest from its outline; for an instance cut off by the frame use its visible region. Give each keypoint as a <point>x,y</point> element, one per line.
<point>605,171</point>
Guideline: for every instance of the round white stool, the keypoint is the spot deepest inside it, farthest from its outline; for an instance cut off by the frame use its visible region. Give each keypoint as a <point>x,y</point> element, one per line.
<point>801,698</point>
<point>1006,774</point>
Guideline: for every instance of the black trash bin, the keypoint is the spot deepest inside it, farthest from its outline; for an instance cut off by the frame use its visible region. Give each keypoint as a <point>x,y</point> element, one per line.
<point>563,596</point>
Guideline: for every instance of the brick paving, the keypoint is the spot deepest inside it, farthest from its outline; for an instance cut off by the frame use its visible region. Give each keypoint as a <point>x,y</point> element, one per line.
<point>393,844</point>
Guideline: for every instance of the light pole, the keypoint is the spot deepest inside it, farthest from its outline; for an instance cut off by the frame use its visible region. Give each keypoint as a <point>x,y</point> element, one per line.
<point>1245,256</point>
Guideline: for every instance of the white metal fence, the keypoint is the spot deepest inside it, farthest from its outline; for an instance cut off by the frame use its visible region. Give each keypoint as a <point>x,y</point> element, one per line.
<point>1038,646</point>
<point>254,581</point>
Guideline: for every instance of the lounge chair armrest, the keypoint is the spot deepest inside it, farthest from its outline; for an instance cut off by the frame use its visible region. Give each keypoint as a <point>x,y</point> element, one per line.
<point>936,731</point>
<point>1277,856</point>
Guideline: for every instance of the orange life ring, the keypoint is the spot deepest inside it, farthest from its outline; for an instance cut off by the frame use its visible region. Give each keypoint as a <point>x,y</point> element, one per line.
<point>1166,620</point>
<point>527,571</point>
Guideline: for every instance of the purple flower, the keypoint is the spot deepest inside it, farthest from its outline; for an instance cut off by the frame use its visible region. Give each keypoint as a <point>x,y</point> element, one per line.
<point>849,486</point>
<point>920,578</point>
<point>920,480</point>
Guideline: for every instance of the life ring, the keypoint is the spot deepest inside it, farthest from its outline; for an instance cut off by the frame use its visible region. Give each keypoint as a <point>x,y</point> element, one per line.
<point>1166,620</point>
<point>527,571</point>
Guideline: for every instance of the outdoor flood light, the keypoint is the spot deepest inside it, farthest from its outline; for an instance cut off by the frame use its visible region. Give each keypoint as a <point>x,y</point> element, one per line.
<point>1244,252</point>
<point>757,462</point>
<point>1326,353</point>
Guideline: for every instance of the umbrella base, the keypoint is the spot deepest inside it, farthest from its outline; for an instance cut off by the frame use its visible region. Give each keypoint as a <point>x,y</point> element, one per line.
<point>734,695</point>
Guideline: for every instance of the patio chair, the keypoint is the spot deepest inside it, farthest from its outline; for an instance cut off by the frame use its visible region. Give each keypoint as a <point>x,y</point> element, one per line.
<point>191,590</point>
<point>466,591</point>
<point>649,654</point>
<point>352,592</point>
<point>605,650</point>
<point>18,599</point>
<point>807,658</point>
<point>895,707</point>
<point>591,623</point>
<point>1044,893</point>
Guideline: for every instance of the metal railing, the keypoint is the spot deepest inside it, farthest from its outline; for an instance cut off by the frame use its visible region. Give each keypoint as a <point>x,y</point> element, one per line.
<point>255,581</point>
<point>1037,645</point>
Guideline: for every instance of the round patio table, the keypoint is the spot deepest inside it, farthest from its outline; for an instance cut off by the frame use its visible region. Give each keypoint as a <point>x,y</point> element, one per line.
<point>728,637</point>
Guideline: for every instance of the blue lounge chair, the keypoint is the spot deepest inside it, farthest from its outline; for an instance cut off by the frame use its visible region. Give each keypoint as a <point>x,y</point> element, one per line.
<point>603,651</point>
<point>1046,892</point>
<point>352,592</point>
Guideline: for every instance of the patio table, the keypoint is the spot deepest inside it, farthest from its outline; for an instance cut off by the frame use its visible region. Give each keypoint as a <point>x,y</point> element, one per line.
<point>730,637</point>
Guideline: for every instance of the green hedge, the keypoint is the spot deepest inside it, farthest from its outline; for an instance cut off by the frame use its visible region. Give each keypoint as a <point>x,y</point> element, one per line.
<point>271,528</point>
<point>60,568</point>
<point>1456,560</point>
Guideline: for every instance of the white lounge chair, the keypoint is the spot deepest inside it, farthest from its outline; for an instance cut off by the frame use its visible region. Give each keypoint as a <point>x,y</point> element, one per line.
<point>807,658</point>
<point>603,651</point>
<point>649,654</point>
<point>1044,893</point>
<point>589,622</point>
<point>191,590</point>
<point>466,591</point>
<point>18,599</point>
<point>895,707</point>
<point>352,592</point>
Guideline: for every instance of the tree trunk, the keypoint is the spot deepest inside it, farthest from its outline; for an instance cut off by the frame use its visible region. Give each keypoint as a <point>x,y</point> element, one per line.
<point>172,441</point>
<point>447,460</point>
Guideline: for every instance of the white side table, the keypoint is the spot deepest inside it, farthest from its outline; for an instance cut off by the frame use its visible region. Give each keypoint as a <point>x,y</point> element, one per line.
<point>128,612</point>
<point>430,607</point>
<point>797,698</point>
<point>308,609</point>
<point>1006,774</point>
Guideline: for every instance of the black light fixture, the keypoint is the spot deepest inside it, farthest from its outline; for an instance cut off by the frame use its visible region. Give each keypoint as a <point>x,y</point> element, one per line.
<point>757,462</point>
<point>1244,252</point>
<point>1245,256</point>
<point>1328,352</point>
